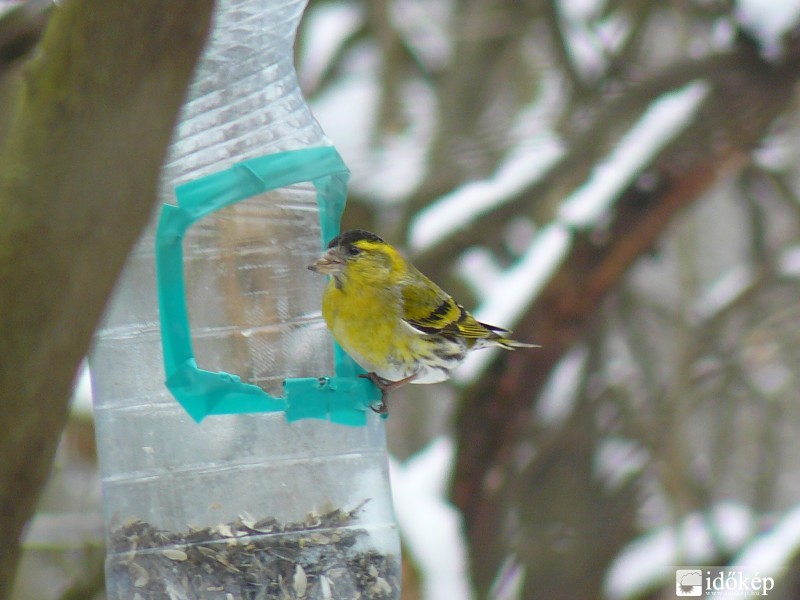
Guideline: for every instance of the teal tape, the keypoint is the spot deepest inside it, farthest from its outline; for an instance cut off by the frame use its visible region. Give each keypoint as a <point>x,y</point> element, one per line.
<point>343,398</point>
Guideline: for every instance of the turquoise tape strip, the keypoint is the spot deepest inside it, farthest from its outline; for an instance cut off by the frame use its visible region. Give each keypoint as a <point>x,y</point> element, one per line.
<point>343,398</point>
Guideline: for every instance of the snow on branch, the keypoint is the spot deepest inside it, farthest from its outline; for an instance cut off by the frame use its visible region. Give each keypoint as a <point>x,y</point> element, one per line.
<point>475,199</point>
<point>663,121</point>
<point>700,538</point>
<point>768,21</point>
<point>514,290</point>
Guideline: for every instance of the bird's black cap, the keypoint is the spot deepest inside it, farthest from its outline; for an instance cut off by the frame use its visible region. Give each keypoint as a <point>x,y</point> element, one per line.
<point>348,238</point>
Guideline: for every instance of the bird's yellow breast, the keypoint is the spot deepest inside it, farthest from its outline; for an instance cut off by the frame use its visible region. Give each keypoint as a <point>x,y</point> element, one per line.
<point>367,323</point>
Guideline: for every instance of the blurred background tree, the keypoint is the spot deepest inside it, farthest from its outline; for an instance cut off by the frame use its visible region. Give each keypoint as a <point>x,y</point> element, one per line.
<point>618,182</point>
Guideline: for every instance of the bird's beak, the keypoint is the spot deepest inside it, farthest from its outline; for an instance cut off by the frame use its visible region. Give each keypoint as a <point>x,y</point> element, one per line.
<point>330,262</point>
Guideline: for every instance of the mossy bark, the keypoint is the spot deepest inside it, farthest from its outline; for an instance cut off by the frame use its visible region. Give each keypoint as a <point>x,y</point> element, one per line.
<point>79,165</point>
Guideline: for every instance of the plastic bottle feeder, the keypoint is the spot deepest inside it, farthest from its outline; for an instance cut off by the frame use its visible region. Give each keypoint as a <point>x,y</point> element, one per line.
<point>257,470</point>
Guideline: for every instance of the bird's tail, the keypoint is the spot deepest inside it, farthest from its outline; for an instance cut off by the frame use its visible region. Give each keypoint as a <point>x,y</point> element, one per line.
<point>505,342</point>
<point>509,344</point>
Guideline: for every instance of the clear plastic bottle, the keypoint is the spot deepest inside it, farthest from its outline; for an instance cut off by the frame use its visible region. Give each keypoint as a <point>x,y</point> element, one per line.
<point>238,506</point>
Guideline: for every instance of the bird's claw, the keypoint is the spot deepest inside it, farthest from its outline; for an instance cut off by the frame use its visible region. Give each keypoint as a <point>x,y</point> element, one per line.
<point>379,407</point>
<point>384,386</point>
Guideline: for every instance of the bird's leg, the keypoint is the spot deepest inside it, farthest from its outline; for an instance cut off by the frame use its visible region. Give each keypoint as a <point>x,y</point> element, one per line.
<point>385,386</point>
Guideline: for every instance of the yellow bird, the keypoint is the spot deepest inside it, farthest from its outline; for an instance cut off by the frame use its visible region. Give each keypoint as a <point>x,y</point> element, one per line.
<point>391,319</point>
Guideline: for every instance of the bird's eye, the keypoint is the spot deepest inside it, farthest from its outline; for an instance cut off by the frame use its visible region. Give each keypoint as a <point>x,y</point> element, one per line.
<point>354,250</point>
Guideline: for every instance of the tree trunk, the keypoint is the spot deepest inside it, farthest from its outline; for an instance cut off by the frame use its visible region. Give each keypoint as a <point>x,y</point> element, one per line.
<point>78,178</point>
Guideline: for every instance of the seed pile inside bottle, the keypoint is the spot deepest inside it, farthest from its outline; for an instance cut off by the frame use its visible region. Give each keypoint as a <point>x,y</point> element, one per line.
<point>323,557</point>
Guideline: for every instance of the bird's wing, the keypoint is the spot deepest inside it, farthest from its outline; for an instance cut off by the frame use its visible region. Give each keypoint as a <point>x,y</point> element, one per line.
<point>429,309</point>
